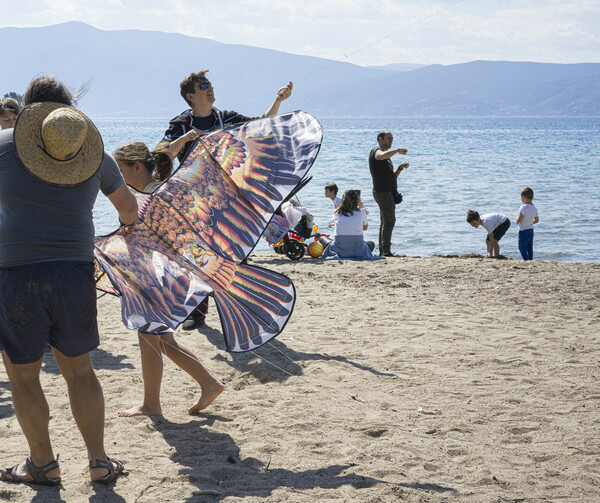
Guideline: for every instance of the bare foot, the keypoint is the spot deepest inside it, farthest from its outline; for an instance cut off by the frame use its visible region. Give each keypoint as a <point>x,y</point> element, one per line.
<point>140,410</point>
<point>209,393</point>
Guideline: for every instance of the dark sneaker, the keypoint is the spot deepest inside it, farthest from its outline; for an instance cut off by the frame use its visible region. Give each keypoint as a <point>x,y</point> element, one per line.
<point>194,321</point>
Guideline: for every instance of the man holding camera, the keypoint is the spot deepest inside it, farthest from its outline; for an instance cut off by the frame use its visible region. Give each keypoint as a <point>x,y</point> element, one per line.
<point>385,187</point>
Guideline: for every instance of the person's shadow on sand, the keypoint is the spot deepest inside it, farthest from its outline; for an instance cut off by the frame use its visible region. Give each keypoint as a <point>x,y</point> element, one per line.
<point>211,461</point>
<point>42,494</point>
<point>102,494</point>
<point>276,361</point>
<point>6,408</point>
<point>100,360</point>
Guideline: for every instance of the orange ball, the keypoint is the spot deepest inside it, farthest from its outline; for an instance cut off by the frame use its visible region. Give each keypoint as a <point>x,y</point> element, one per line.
<point>315,249</point>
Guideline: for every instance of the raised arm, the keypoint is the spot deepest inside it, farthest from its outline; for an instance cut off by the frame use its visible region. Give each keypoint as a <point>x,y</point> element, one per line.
<point>175,146</point>
<point>382,155</point>
<point>283,94</point>
<point>125,204</point>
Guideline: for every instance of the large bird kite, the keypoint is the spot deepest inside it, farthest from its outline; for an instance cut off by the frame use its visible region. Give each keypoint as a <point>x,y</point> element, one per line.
<point>196,229</point>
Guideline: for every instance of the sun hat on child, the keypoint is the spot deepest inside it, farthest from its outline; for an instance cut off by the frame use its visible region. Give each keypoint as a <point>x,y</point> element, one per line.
<point>57,144</point>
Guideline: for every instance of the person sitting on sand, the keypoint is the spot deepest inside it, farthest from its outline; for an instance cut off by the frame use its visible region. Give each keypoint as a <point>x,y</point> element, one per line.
<point>9,110</point>
<point>350,220</point>
<point>145,171</point>
<point>496,226</point>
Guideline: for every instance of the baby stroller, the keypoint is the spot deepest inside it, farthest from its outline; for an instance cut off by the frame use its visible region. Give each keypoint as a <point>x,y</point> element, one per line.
<point>290,226</point>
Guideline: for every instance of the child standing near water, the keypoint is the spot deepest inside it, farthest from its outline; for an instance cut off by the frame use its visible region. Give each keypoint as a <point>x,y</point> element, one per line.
<point>528,216</point>
<point>145,171</point>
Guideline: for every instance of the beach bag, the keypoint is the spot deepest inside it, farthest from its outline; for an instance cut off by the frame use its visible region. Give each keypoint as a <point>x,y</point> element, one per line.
<point>305,226</point>
<point>397,196</point>
<point>277,228</point>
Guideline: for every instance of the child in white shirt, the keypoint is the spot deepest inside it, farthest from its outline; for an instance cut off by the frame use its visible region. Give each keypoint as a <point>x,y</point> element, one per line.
<point>528,216</point>
<point>496,226</point>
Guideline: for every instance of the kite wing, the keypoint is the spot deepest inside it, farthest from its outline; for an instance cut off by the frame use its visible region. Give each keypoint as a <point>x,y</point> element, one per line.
<point>195,230</point>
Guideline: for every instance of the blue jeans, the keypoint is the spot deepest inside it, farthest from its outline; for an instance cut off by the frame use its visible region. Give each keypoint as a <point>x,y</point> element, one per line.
<point>526,244</point>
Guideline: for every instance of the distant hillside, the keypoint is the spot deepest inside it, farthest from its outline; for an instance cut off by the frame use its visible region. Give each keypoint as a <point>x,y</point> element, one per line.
<point>134,73</point>
<point>137,73</point>
<point>398,67</point>
<point>483,88</point>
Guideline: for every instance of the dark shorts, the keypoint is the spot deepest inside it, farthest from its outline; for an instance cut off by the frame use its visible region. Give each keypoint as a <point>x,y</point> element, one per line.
<point>500,230</point>
<point>50,302</point>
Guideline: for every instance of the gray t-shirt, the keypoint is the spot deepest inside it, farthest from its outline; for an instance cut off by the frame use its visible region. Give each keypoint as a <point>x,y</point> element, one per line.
<point>44,223</point>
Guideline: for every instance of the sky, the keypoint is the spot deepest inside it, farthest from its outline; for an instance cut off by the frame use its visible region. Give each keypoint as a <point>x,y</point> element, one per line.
<point>363,32</point>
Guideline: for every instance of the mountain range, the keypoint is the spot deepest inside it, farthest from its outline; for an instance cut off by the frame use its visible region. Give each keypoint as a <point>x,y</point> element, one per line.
<point>133,73</point>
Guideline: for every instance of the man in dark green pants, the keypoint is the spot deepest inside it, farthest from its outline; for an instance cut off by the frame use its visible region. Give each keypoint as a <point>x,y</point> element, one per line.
<point>385,183</point>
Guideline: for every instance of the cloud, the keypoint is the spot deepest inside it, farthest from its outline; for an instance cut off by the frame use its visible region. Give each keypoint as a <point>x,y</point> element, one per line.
<point>359,31</point>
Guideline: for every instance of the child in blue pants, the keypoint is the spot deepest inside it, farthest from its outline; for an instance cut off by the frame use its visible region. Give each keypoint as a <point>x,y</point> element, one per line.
<point>528,216</point>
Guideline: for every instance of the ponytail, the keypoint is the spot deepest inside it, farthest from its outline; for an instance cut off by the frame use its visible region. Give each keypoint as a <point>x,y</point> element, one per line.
<point>163,164</point>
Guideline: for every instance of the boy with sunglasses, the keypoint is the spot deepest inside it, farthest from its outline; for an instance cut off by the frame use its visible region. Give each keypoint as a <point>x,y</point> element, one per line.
<point>203,118</point>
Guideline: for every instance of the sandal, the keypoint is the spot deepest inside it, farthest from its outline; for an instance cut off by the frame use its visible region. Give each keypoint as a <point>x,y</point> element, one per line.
<point>38,474</point>
<point>113,472</point>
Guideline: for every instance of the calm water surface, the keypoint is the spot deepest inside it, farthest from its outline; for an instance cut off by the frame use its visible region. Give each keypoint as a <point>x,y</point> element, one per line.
<point>455,165</point>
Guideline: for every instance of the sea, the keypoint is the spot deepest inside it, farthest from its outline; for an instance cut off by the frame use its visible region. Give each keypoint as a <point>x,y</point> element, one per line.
<point>456,164</point>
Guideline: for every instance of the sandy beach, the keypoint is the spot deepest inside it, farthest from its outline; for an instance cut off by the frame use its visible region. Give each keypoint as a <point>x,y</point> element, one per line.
<point>427,380</point>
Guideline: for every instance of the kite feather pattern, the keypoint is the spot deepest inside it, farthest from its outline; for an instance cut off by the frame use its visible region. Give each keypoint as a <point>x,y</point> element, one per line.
<point>196,229</point>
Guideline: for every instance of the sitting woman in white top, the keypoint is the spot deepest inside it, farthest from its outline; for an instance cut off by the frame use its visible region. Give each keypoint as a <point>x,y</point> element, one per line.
<point>350,220</point>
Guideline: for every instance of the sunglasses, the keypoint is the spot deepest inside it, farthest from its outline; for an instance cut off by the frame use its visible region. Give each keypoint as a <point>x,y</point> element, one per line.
<point>203,86</point>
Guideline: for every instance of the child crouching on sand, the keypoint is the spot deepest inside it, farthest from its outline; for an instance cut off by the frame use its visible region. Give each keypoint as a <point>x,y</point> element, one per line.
<point>145,171</point>
<point>528,216</point>
<point>496,226</point>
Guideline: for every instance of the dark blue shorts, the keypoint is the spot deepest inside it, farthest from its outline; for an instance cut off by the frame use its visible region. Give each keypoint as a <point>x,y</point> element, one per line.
<point>50,302</point>
<point>500,230</point>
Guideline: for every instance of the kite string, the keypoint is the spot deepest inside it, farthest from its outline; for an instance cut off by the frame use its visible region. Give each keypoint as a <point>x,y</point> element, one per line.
<point>303,423</point>
<point>404,28</point>
<point>163,343</point>
<point>384,421</point>
<point>346,56</point>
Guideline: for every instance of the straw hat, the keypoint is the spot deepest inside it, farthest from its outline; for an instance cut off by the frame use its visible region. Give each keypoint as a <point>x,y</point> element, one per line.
<point>57,144</point>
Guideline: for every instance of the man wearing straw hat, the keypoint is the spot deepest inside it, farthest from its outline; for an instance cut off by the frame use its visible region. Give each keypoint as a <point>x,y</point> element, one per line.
<point>51,169</point>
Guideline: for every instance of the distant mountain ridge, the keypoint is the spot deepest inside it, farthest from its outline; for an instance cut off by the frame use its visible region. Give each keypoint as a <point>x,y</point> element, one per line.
<point>398,67</point>
<point>133,73</point>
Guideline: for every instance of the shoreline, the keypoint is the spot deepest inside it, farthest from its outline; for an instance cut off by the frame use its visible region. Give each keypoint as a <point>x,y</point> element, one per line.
<point>424,379</point>
<point>439,255</point>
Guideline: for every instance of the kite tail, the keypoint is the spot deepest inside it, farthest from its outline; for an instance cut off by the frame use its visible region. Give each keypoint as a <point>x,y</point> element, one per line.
<point>254,307</point>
